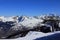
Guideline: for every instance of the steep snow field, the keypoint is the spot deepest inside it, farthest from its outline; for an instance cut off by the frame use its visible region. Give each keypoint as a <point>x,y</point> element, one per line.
<point>29,22</point>
<point>33,35</point>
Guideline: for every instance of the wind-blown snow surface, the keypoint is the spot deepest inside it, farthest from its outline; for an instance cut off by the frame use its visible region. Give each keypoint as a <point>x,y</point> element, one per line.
<point>33,35</point>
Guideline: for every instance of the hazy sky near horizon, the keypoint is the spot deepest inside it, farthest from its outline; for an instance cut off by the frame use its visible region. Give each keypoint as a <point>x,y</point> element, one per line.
<point>29,7</point>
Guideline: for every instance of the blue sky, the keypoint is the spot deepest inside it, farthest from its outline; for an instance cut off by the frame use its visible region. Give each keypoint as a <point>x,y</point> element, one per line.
<point>29,7</point>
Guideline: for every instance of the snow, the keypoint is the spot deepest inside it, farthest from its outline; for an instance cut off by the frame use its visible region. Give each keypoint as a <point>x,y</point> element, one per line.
<point>27,22</point>
<point>4,18</point>
<point>22,21</point>
<point>30,22</point>
<point>33,35</point>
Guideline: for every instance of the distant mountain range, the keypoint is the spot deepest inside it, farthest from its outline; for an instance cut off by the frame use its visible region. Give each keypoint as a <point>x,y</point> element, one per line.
<point>16,24</point>
<point>13,24</point>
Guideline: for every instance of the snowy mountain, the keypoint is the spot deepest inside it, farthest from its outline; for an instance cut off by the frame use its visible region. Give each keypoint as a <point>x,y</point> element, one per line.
<point>20,26</point>
<point>28,22</point>
<point>10,25</point>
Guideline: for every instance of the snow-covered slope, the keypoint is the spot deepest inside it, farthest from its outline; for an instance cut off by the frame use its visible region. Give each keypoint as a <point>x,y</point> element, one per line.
<point>12,24</point>
<point>16,24</point>
<point>20,18</point>
<point>6,18</point>
<point>29,21</point>
<point>32,35</point>
<point>24,21</point>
